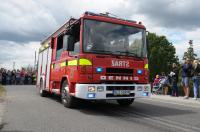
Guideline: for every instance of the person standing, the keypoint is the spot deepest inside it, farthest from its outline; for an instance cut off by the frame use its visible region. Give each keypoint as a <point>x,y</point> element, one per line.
<point>18,77</point>
<point>22,76</point>
<point>1,76</point>
<point>13,77</point>
<point>34,78</point>
<point>9,77</point>
<point>196,78</point>
<point>174,79</point>
<point>4,77</point>
<point>164,83</point>
<point>26,78</point>
<point>186,75</point>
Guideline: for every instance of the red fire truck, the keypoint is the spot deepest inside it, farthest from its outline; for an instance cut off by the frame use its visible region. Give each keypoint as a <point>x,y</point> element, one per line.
<point>95,57</point>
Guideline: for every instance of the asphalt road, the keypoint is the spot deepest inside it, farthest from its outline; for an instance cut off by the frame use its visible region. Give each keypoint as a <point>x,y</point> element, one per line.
<point>26,111</point>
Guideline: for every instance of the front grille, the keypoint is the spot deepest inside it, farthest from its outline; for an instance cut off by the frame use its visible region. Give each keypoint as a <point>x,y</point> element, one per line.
<point>117,82</point>
<point>112,95</point>
<point>111,88</point>
<point>119,71</point>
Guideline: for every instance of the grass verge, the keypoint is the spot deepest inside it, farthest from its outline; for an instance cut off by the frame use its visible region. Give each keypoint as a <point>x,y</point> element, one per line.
<point>2,99</point>
<point>2,91</point>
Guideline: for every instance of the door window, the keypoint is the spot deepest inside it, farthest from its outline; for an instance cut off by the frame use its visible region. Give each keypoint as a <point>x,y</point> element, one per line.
<point>59,48</point>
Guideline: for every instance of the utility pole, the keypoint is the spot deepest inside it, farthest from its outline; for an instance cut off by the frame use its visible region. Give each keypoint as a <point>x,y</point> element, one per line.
<point>35,61</point>
<point>13,65</point>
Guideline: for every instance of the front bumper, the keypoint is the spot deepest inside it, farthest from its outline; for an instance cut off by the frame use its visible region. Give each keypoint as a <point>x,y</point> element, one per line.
<point>108,91</point>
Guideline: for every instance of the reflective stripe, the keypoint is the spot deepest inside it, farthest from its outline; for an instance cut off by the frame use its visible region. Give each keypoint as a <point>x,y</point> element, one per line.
<point>73,63</point>
<point>52,66</point>
<point>82,62</point>
<point>85,62</point>
<point>146,66</point>
<point>63,64</point>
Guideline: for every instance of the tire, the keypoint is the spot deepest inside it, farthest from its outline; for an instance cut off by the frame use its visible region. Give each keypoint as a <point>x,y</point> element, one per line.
<point>41,91</point>
<point>125,102</point>
<point>67,100</point>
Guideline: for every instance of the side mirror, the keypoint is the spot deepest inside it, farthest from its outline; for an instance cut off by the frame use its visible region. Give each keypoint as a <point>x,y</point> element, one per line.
<point>70,43</point>
<point>52,43</point>
<point>148,47</point>
<point>147,40</point>
<point>147,33</point>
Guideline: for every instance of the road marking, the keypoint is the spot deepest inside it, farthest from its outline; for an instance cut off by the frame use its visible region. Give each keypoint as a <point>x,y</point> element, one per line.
<point>152,120</point>
<point>164,122</point>
<point>175,103</point>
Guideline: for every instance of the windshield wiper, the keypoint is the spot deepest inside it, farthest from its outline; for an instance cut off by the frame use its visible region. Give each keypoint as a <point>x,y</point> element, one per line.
<point>129,53</point>
<point>102,51</point>
<point>112,53</point>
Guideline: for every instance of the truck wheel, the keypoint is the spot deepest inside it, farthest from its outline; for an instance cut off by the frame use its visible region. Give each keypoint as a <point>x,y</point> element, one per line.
<point>67,100</point>
<point>41,91</point>
<point>125,102</point>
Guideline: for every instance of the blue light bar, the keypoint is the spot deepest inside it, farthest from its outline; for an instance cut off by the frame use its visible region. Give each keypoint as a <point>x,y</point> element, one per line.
<point>99,69</point>
<point>139,71</point>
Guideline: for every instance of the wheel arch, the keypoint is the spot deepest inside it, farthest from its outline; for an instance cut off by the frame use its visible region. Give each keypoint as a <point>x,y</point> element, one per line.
<point>62,80</point>
<point>41,81</point>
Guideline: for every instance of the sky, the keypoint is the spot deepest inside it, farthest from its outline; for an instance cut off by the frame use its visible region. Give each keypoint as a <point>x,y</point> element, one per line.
<point>24,23</point>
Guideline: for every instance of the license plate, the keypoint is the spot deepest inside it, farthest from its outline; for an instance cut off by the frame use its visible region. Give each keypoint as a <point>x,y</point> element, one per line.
<point>121,92</point>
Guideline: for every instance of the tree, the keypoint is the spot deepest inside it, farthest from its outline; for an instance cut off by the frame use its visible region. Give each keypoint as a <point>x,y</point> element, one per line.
<point>190,52</point>
<point>28,68</point>
<point>161,54</point>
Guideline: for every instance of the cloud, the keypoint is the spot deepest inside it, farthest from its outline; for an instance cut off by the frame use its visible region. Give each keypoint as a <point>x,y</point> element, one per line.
<point>32,20</point>
<point>181,14</point>
<point>21,54</point>
<point>23,21</point>
<point>180,49</point>
<point>26,22</point>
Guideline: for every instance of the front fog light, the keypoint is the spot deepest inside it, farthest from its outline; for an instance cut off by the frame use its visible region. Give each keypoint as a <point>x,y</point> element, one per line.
<point>91,88</point>
<point>145,94</point>
<point>91,95</point>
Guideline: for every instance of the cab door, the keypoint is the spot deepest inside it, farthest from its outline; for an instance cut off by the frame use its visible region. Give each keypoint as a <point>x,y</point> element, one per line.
<point>73,61</point>
<point>56,60</point>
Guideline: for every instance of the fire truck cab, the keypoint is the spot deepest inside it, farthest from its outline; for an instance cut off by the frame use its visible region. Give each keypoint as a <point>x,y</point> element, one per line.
<point>95,57</point>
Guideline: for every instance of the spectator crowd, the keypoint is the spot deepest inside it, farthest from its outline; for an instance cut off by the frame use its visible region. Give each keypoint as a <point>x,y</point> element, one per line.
<point>17,77</point>
<point>190,76</point>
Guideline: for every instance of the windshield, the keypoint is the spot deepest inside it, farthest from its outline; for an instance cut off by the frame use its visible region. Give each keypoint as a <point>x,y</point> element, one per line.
<point>108,38</point>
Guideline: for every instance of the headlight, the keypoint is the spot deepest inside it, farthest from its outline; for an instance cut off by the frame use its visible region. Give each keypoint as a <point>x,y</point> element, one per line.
<point>145,94</point>
<point>91,88</point>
